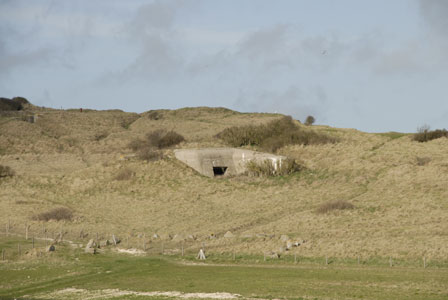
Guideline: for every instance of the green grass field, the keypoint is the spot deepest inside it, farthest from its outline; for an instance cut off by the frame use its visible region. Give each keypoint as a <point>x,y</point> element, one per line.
<point>94,276</point>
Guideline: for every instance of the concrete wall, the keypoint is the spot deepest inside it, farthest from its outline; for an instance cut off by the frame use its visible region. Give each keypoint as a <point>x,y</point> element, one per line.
<point>203,160</point>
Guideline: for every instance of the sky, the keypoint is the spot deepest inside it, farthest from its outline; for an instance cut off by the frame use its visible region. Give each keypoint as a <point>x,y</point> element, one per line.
<point>373,65</point>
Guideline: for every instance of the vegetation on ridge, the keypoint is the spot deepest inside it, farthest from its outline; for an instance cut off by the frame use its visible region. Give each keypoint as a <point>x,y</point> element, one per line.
<point>272,136</point>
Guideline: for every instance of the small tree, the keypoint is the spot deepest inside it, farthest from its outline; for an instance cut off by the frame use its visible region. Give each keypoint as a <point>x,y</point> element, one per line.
<point>310,120</point>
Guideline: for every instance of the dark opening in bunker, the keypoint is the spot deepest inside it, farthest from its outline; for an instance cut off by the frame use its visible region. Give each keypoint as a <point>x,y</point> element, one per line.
<point>219,171</point>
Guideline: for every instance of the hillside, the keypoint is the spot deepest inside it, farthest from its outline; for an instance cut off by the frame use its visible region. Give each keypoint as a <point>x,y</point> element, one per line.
<point>69,158</point>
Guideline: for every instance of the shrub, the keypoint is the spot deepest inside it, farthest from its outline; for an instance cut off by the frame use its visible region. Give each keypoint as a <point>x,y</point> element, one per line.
<point>6,171</point>
<point>100,136</point>
<point>9,105</point>
<point>334,205</point>
<point>150,154</point>
<point>163,139</point>
<point>149,148</point>
<point>422,161</point>
<point>266,168</point>
<point>272,136</point>
<point>154,115</point>
<point>125,174</point>
<point>57,214</point>
<point>424,134</point>
<point>310,120</point>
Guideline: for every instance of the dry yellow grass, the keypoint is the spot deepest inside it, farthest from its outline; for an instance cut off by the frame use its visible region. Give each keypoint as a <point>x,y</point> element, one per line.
<point>400,210</point>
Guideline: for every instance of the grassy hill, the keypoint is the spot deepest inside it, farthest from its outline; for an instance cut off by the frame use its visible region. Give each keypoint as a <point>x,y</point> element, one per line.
<point>69,158</point>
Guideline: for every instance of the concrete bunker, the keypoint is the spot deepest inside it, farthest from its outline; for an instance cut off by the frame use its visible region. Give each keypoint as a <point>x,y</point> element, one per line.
<point>218,162</point>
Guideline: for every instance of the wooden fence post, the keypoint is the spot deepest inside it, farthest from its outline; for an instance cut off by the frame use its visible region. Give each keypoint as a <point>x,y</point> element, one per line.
<point>358,259</point>
<point>33,242</point>
<point>18,250</point>
<point>163,248</point>
<point>26,231</point>
<point>182,248</point>
<point>233,254</point>
<point>424,262</point>
<point>390,261</point>
<point>264,256</point>
<point>295,258</point>
<point>326,260</point>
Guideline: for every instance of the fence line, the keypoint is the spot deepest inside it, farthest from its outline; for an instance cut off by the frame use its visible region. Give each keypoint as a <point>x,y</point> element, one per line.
<point>36,235</point>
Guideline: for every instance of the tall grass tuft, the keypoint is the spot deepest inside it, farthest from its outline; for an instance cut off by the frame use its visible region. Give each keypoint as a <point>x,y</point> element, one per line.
<point>334,205</point>
<point>124,174</point>
<point>273,136</point>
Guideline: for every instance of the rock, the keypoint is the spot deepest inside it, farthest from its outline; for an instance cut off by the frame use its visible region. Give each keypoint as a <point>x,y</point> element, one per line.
<point>178,238</point>
<point>274,255</point>
<point>229,235</point>
<point>155,236</point>
<point>191,237</point>
<point>201,255</point>
<point>104,243</point>
<point>50,248</point>
<point>91,244</point>
<point>90,250</point>
<point>289,245</point>
<point>284,238</point>
<point>115,240</point>
<point>165,236</point>
<point>212,236</point>
<point>247,236</point>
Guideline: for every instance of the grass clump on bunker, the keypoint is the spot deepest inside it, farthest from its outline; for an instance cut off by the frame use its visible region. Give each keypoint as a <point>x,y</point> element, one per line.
<point>266,168</point>
<point>273,135</point>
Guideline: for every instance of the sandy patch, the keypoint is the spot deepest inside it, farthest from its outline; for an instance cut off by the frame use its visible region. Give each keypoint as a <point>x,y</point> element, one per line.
<point>131,251</point>
<point>73,293</point>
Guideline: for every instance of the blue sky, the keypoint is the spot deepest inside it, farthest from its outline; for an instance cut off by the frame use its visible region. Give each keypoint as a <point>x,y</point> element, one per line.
<point>371,65</point>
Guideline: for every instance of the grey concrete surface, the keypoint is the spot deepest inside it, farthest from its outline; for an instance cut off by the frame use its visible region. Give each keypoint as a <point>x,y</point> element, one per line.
<point>216,162</point>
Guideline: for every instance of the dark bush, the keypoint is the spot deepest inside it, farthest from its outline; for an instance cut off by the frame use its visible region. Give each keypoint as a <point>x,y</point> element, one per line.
<point>154,115</point>
<point>8,104</point>
<point>310,120</point>
<point>22,101</point>
<point>125,174</point>
<point>149,148</point>
<point>272,136</point>
<point>150,154</point>
<point>334,205</point>
<point>6,171</point>
<point>100,136</point>
<point>424,134</point>
<point>423,161</point>
<point>138,144</point>
<point>57,214</point>
<point>163,139</point>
